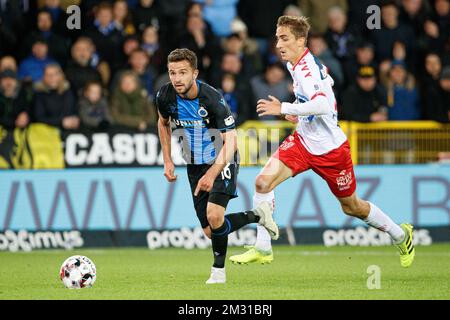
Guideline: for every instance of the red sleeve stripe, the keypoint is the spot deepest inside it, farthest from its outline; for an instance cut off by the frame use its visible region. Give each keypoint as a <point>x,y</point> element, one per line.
<point>318,94</point>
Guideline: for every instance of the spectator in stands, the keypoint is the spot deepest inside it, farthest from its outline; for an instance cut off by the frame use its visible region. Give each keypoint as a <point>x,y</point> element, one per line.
<point>251,64</point>
<point>108,40</point>
<point>364,101</point>
<point>319,48</point>
<point>58,16</point>
<point>432,72</point>
<point>130,106</point>
<point>199,38</point>
<point>318,11</point>
<point>83,67</point>
<point>364,56</point>
<point>139,63</point>
<point>261,19</point>
<point>8,62</point>
<point>402,95</point>
<point>54,103</point>
<point>273,82</point>
<point>250,46</point>
<point>437,27</point>
<point>93,107</point>
<point>414,13</point>
<point>155,50</point>
<point>219,14</point>
<point>292,10</point>
<point>391,30</point>
<point>32,68</point>
<point>123,18</point>
<point>58,46</point>
<point>13,102</point>
<point>130,44</point>
<point>339,37</point>
<point>437,99</point>
<point>228,90</point>
<point>146,14</point>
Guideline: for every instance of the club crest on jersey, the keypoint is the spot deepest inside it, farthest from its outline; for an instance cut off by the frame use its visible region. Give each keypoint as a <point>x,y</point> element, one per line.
<point>202,112</point>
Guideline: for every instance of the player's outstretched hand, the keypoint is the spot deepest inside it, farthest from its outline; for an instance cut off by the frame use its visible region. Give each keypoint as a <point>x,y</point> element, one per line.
<point>204,184</point>
<point>169,172</point>
<point>270,107</point>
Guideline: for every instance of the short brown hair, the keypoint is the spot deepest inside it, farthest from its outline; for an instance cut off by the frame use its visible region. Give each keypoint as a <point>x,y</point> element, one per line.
<point>181,55</point>
<point>299,26</point>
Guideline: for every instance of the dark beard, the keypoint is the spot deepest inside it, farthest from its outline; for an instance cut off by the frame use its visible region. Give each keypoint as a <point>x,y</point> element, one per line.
<point>187,90</point>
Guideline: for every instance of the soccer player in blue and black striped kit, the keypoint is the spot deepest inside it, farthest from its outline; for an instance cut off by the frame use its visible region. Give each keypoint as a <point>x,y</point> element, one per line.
<point>203,120</point>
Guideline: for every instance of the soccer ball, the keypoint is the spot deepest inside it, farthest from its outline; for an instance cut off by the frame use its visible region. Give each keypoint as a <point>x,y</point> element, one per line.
<point>78,272</point>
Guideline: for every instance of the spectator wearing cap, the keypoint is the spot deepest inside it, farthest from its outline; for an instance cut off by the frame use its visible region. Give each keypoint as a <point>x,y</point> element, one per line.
<point>402,95</point>
<point>364,56</point>
<point>14,106</point>
<point>272,83</point>
<point>54,103</point>
<point>364,100</point>
<point>32,68</point>
<point>437,100</point>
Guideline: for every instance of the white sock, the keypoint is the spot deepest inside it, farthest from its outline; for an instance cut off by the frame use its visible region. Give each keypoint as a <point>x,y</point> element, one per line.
<point>381,221</point>
<point>263,239</point>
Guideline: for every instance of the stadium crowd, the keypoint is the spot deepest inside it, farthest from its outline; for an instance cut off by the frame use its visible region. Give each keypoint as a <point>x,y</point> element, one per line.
<point>108,71</point>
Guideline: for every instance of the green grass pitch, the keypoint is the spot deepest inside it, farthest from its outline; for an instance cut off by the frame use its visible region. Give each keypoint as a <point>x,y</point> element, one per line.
<point>301,272</point>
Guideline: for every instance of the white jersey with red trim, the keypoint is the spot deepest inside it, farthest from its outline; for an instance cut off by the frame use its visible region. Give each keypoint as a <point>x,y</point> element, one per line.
<point>319,133</point>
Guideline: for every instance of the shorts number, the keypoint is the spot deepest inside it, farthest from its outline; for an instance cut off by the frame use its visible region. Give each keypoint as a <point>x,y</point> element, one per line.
<point>226,172</point>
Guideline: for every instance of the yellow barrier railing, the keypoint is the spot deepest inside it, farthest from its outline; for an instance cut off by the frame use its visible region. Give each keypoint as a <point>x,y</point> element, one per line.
<point>371,143</point>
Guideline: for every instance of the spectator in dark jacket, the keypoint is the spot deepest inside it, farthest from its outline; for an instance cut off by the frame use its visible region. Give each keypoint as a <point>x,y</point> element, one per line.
<point>437,100</point>
<point>365,56</point>
<point>391,30</point>
<point>54,103</point>
<point>93,107</point>
<point>364,101</point>
<point>146,14</point>
<point>58,46</point>
<point>107,38</point>
<point>13,103</point>
<point>83,67</point>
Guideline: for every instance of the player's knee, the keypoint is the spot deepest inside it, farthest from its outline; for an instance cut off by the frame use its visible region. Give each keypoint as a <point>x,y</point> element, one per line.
<point>215,219</point>
<point>262,184</point>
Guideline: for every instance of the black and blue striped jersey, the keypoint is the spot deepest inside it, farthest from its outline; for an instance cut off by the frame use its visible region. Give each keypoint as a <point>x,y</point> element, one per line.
<point>197,121</point>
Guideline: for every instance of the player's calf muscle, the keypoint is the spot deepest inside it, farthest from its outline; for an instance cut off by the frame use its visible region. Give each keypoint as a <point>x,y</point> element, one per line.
<point>353,206</point>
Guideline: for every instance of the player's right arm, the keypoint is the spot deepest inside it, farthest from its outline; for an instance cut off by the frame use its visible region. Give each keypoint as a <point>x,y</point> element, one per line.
<point>165,136</point>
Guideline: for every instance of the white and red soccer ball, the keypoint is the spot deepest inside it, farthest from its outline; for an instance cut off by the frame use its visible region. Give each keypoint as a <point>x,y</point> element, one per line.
<point>78,272</point>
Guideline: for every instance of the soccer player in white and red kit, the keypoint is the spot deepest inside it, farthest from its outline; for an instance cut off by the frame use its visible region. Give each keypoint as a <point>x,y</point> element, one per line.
<point>318,143</point>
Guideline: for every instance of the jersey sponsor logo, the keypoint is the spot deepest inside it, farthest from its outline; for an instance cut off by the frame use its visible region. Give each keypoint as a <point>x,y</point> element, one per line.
<point>344,180</point>
<point>229,121</point>
<point>202,112</point>
<point>190,123</point>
